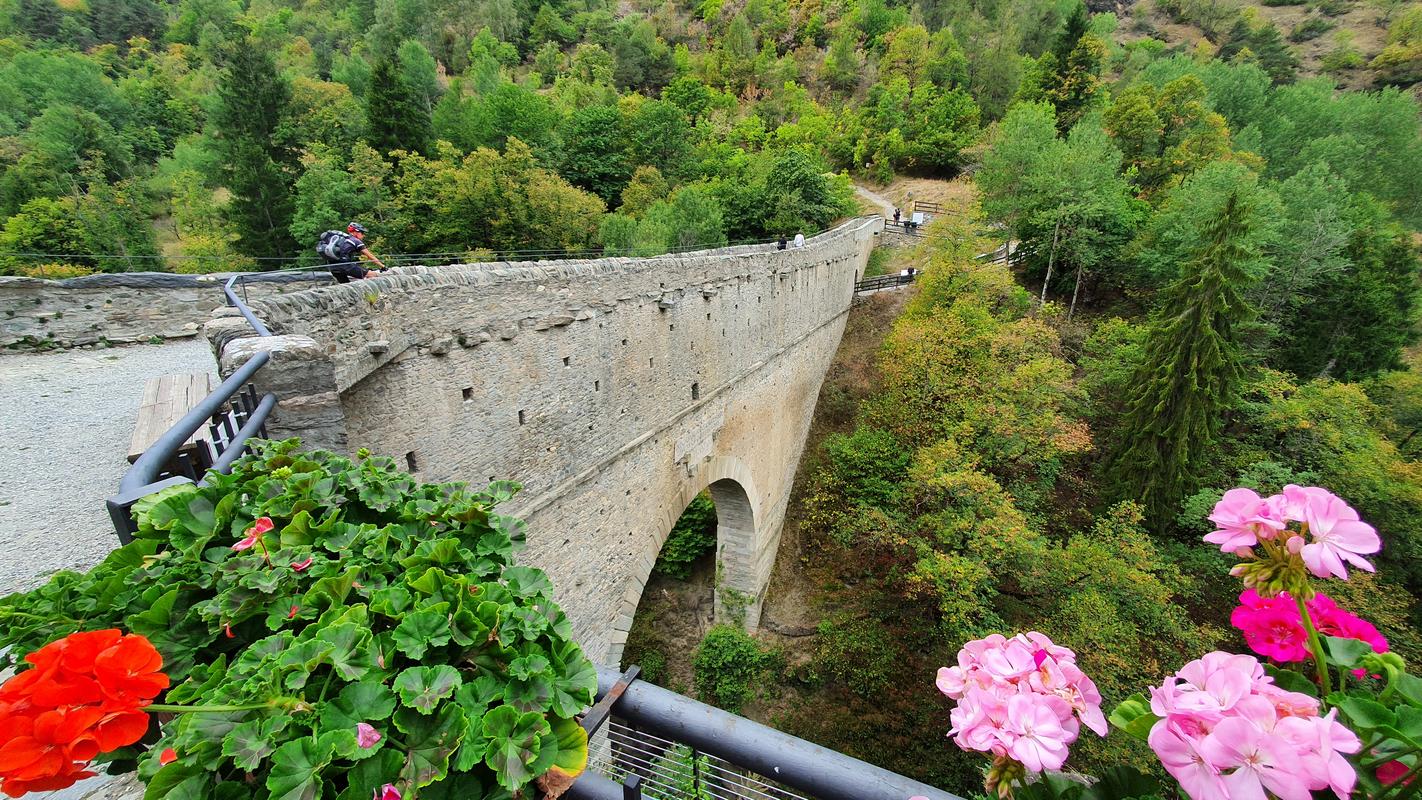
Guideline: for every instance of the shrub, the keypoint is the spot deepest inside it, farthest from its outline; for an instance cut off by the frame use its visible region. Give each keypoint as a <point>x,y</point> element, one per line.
<point>727,665</point>
<point>1310,29</point>
<point>320,593</point>
<point>693,536</point>
<point>858,653</point>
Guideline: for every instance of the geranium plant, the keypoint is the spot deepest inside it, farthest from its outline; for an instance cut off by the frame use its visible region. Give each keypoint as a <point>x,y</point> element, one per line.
<point>348,631</point>
<point>1332,711</point>
<point>1022,701</point>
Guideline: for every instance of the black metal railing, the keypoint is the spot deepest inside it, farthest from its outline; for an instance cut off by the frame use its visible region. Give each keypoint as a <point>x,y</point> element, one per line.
<point>654,744</point>
<point>233,414</point>
<point>878,282</point>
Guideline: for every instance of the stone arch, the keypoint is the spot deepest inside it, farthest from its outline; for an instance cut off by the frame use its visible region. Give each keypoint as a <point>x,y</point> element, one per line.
<point>738,585</point>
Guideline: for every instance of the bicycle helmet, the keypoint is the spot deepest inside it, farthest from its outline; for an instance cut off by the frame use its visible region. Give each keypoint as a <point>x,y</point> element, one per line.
<point>355,227</point>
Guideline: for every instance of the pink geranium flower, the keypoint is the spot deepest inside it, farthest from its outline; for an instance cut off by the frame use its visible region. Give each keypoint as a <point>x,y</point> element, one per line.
<point>1038,739</point>
<point>1338,535</point>
<point>366,735</point>
<point>1271,626</point>
<point>387,792</point>
<point>1243,518</point>
<point>1022,700</point>
<point>1255,760</point>
<point>301,566</point>
<point>254,533</point>
<point>1265,741</point>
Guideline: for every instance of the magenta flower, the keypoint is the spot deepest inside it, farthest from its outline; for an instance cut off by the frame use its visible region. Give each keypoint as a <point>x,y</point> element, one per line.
<point>366,735</point>
<point>1338,536</point>
<point>1243,518</point>
<point>1271,626</point>
<point>254,534</point>
<point>387,792</point>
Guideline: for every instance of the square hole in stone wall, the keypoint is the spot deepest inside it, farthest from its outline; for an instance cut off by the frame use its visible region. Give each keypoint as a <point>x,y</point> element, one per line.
<point>521,417</point>
<point>695,391</point>
<point>468,393</point>
<point>411,462</point>
<point>567,361</point>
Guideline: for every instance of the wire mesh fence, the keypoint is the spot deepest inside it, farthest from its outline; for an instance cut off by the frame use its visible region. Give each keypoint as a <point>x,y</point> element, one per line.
<point>673,771</point>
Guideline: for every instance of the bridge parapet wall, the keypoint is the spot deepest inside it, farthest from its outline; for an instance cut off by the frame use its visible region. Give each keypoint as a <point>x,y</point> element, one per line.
<point>614,390</point>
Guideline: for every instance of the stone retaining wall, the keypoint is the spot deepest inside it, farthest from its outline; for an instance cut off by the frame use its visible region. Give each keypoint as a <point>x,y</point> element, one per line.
<point>122,308</point>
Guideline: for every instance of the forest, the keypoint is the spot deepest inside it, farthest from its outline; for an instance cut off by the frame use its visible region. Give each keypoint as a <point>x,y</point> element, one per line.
<point>206,135</point>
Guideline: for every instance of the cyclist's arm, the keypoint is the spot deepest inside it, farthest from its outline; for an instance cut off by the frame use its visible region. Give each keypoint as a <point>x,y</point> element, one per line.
<point>369,256</point>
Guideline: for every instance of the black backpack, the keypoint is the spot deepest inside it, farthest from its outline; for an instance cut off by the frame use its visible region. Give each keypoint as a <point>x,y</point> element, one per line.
<point>335,246</point>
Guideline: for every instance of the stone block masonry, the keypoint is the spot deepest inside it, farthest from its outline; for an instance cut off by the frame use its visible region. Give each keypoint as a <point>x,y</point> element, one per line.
<point>122,308</point>
<point>614,390</point>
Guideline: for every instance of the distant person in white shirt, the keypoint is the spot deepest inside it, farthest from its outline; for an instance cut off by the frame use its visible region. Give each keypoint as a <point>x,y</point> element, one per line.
<point>799,240</point>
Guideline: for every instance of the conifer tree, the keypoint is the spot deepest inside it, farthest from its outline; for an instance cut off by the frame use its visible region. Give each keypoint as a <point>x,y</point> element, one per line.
<point>257,165</point>
<point>1190,371</point>
<point>398,118</point>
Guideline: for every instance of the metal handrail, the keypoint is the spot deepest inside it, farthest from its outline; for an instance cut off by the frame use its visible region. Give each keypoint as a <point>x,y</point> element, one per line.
<point>804,766</point>
<point>146,475</point>
<point>885,281</point>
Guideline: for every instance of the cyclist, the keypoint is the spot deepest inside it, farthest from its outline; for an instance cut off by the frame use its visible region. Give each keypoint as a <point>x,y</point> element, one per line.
<point>342,252</point>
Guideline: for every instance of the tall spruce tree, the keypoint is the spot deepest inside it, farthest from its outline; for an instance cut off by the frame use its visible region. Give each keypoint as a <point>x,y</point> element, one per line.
<point>398,117</point>
<point>257,165</point>
<point>1190,372</point>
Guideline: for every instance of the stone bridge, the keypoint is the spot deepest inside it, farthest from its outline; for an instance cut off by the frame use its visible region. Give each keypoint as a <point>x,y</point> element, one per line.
<point>614,390</point>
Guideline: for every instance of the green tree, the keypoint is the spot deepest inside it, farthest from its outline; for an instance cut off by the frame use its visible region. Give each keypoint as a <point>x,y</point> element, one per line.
<point>594,156</point>
<point>257,165</point>
<point>1190,373</point>
<point>396,115</point>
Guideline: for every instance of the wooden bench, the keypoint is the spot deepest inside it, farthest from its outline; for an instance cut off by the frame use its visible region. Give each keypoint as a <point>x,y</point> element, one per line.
<point>166,400</point>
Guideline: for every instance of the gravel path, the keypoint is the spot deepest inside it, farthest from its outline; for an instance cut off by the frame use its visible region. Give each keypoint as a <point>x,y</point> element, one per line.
<point>885,207</point>
<point>65,422</point>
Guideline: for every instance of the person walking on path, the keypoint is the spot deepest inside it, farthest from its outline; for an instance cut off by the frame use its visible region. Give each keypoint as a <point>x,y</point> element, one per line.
<point>343,250</point>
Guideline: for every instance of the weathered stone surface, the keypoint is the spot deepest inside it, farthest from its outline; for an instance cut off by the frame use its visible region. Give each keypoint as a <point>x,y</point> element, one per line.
<point>123,308</point>
<point>613,421</point>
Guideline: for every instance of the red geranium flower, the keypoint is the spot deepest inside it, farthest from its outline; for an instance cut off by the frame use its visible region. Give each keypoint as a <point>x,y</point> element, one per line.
<point>83,696</point>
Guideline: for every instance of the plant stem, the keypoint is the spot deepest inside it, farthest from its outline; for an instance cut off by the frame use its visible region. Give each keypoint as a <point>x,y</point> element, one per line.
<point>1315,645</point>
<point>176,709</point>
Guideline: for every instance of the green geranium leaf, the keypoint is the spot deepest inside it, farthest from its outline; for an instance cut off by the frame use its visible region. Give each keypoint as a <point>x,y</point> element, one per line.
<point>1292,681</point>
<point>1133,715</point>
<point>1410,687</point>
<point>572,757</point>
<point>515,744</point>
<point>461,786</point>
<point>528,666</point>
<point>421,688</point>
<point>1365,714</point>
<point>368,775</point>
<point>302,659</point>
<point>1346,653</point>
<point>574,680</point>
<point>423,629</point>
<point>429,742</point>
<point>176,780</point>
<point>343,744</point>
<point>296,769</point>
<point>252,741</point>
<point>392,601</point>
<point>359,702</point>
<point>527,582</point>
<point>350,650</point>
